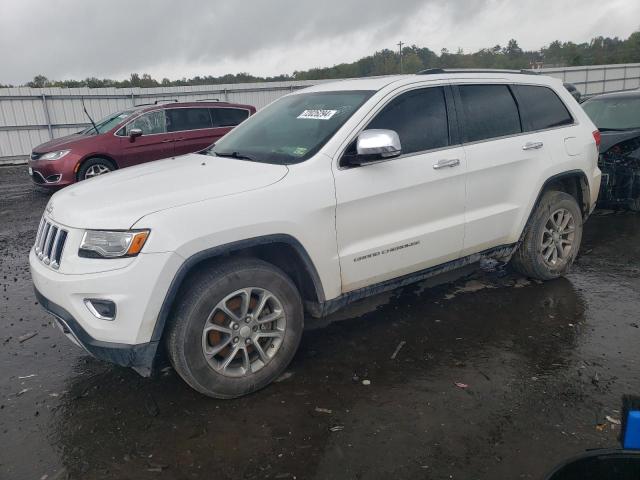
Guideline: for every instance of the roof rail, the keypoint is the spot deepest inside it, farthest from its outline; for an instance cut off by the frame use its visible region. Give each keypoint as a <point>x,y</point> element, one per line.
<point>436,71</point>
<point>210,100</point>
<point>155,103</point>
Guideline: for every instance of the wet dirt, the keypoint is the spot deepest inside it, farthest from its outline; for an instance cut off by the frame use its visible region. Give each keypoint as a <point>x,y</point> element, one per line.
<point>498,377</point>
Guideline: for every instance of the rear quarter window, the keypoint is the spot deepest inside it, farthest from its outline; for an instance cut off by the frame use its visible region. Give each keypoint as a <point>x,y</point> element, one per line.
<point>541,108</point>
<point>488,111</point>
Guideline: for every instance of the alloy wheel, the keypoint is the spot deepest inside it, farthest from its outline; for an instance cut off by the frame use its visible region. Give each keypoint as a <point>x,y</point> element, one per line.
<point>558,237</point>
<point>95,170</point>
<point>243,332</point>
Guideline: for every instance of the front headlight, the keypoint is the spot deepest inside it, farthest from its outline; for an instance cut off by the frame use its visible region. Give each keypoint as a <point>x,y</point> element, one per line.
<point>105,244</point>
<point>54,155</point>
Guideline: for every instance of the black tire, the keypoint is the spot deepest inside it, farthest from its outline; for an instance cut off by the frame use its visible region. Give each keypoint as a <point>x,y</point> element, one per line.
<point>528,258</point>
<point>94,163</point>
<point>200,297</point>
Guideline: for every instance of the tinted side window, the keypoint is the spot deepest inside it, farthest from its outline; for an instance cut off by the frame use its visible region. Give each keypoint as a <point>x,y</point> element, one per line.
<point>179,119</point>
<point>489,111</point>
<point>149,123</point>
<point>419,117</point>
<point>228,117</point>
<point>541,108</point>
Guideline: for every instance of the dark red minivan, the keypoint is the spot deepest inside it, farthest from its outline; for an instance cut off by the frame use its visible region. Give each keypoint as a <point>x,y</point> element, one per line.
<point>140,134</point>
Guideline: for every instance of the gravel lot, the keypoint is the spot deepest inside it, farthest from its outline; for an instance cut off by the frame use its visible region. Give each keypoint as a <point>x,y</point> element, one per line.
<point>538,368</point>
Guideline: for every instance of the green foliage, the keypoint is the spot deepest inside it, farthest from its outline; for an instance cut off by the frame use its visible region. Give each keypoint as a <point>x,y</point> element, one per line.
<point>598,51</point>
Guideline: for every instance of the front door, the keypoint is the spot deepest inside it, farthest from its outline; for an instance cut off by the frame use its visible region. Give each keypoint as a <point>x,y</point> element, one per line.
<point>154,143</point>
<point>406,214</point>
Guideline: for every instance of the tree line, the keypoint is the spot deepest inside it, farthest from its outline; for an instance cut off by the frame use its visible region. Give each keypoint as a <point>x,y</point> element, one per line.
<point>599,51</point>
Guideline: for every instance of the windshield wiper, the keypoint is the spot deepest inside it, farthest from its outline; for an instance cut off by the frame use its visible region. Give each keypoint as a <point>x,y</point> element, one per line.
<point>237,155</point>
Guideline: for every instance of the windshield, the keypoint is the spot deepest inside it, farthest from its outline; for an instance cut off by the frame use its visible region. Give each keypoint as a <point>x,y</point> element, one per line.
<point>614,113</point>
<point>109,122</point>
<point>292,129</point>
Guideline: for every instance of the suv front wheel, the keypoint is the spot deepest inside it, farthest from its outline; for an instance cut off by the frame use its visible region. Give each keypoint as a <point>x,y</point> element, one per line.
<point>236,328</point>
<point>552,239</point>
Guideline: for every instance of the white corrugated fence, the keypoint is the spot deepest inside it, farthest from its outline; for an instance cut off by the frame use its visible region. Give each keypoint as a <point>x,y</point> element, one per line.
<point>30,116</point>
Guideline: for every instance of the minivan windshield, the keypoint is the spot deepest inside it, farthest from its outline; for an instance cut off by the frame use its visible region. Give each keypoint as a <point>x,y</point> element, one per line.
<point>291,129</point>
<point>109,122</point>
<point>613,113</point>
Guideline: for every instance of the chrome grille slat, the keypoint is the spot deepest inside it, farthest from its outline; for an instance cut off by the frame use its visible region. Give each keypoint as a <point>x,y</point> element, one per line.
<point>43,239</point>
<point>53,233</point>
<point>57,249</point>
<point>49,243</point>
<point>40,227</point>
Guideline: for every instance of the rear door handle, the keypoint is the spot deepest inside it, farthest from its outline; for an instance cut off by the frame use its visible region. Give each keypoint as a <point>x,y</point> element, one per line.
<point>448,163</point>
<point>532,145</point>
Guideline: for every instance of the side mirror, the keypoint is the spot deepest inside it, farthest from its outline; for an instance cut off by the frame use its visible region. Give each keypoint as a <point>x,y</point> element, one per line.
<point>373,146</point>
<point>134,133</point>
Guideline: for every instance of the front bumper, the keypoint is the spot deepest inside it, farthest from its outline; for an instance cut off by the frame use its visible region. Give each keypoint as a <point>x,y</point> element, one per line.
<point>139,357</point>
<point>54,173</point>
<point>138,288</point>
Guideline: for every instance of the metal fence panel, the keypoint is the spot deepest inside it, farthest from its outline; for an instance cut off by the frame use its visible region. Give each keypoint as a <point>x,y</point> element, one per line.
<point>30,116</point>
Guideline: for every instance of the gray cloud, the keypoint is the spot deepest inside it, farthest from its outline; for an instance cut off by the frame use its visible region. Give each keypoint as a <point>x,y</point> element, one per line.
<point>75,38</point>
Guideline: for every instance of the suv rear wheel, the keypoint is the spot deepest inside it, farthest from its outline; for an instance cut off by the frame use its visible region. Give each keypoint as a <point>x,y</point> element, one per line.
<point>236,328</point>
<point>552,239</point>
<point>94,167</point>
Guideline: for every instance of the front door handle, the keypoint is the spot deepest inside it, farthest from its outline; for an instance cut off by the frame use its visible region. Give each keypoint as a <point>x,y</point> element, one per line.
<point>169,140</point>
<point>448,163</point>
<point>532,145</point>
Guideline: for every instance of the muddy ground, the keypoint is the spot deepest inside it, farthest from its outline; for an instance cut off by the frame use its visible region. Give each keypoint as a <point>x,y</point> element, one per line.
<point>543,366</point>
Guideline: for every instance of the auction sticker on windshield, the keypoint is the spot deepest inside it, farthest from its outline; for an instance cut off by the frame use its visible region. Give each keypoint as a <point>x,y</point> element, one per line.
<point>318,114</point>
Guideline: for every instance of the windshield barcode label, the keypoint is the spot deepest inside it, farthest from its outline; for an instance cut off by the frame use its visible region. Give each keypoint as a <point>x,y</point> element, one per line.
<point>318,114</point>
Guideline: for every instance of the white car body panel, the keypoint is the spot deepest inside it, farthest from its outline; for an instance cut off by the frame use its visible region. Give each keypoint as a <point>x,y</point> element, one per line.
<point>118,200</point>
<point>397,217</point>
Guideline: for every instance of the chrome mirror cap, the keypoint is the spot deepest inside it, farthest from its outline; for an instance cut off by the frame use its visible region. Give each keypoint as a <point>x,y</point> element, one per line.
<point>383,143</point>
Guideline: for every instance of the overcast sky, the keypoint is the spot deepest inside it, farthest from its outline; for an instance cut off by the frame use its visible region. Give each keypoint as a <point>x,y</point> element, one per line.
<point>75,39</point>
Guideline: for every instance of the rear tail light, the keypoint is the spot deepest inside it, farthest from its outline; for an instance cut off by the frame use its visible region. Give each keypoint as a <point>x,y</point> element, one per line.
<point>597,137</point>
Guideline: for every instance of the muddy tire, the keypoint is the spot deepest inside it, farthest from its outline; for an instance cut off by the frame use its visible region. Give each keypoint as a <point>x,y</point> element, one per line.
<point>94,167</point>
<point>552,239</point>
<point>235,328</point>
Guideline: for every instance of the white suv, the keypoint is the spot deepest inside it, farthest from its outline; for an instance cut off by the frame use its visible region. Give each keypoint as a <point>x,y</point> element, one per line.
<point>328,195</point>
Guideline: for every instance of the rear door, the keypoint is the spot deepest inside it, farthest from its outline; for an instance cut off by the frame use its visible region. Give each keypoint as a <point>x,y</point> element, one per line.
<point>191,129</point>
<point>503,164</point>
<point>548,119</point>
<point>155,143</point>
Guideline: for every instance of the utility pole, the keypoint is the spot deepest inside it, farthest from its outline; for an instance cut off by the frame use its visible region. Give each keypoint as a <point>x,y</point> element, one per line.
<point>400,49</point>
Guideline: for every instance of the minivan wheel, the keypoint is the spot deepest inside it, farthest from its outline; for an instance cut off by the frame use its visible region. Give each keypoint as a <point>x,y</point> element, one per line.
<point>94,167</point>
<point>551,242</point>
<point>235,328</point>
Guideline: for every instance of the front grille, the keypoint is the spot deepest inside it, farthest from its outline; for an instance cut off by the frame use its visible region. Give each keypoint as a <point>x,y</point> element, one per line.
<point>49,244</point>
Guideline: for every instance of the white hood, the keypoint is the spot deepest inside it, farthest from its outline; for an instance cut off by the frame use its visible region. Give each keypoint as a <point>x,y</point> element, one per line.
<point>118,199</point>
